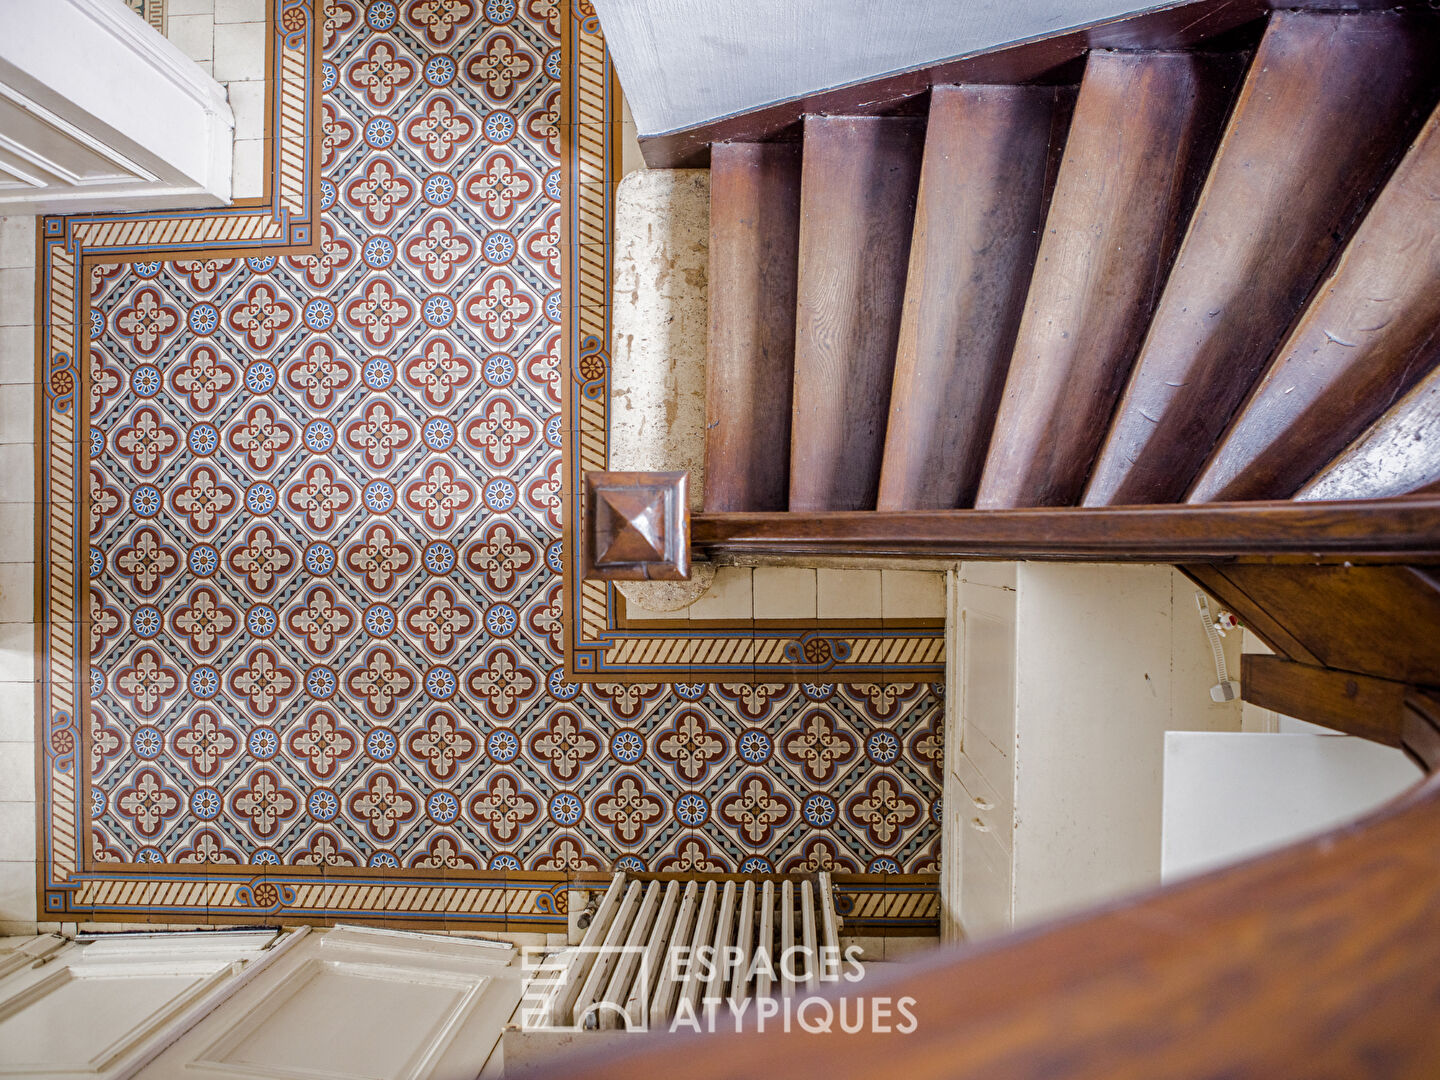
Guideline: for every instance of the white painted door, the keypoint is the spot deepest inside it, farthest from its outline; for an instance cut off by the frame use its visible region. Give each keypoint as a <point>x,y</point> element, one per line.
<point>101,1008</point>
<point>977,862</point>
<point>357,1002</point>
<point>22,952</point>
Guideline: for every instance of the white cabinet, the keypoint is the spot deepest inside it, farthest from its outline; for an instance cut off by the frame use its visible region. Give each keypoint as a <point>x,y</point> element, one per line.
<point>1063,680</point>
<point>977,866</point>
<point>357,1002</point>
<point>101,1008</point>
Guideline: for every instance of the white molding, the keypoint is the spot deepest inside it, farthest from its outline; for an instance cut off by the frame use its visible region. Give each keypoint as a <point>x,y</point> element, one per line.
<point>199,1010</point>
<point>22,178</point>
<point>75,134</point>
<point>195,973</point>
<point>37,948</point>
<point>447,1001</point>
<point>96,81</point>
<point>136,35</point>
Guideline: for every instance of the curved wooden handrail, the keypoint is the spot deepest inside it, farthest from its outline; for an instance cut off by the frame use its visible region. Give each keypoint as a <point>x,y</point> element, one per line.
<point>1321,960</point>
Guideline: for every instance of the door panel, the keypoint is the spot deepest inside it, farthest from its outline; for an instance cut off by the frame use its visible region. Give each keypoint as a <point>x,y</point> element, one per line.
<point>100,1008</point>
<point>357,1002</point>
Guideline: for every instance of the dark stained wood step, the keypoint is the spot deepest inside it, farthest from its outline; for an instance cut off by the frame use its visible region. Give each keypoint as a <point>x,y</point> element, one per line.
<point>1399,455</point>
<point>1144,130</point>
<point>857,206</point>
<point>1355,704</point>
<point>977,222</point>
<point>1329,103</point>
<point>1375,620</point>
<point>1371,331</point>
<point>750,362</point>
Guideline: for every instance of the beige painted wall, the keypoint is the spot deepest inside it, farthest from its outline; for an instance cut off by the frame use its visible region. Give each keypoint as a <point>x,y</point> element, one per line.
<point>1110,658</point>
<point>1063,680</point>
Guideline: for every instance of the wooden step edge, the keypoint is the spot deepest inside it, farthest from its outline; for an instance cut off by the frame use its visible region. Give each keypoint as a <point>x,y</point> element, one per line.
<point>1366,337</point>
<point>985,185</point>
<point>1399,455</point>
<point>859,177</point>
<point>1145,130</point>
<point>1343,93</point>
<point>750,363</point>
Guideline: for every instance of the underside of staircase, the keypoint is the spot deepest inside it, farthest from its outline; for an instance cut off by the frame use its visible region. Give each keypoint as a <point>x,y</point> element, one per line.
<point>1173,304</point>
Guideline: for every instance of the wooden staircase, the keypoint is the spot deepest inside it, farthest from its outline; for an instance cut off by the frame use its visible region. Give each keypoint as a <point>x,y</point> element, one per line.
<point>1174,304</point>
<point>1177,303</point>
<point>1201,277</point>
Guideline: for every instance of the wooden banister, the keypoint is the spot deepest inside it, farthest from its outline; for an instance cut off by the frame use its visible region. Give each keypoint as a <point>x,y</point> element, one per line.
<point>1380,530</point>
<point>1322,960</point>
<point>1400,529</point>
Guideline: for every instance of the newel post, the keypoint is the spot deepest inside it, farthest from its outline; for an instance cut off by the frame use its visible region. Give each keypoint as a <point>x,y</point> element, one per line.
<point>635,526</point>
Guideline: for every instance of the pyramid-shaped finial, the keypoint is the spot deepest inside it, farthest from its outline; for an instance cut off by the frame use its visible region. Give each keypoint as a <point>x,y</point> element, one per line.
<point>635,523</point>
<point>637,527</point>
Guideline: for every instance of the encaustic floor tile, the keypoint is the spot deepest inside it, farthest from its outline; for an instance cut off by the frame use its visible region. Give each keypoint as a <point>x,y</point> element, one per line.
<point>323,535</point>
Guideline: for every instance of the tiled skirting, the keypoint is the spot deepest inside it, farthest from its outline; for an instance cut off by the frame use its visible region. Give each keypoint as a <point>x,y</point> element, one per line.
<point>17,523</point>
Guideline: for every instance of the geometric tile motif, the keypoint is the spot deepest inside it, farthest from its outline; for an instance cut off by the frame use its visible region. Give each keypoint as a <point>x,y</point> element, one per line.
<point>324,540</point>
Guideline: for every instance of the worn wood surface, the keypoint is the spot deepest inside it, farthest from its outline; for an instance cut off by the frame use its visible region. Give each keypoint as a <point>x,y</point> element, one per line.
<point>1144,130</point>
<point>1420,727</point>
<point>1359,531</point>
<point>1370,332</point>
<point>1321,960</point>
<point>857,206</point>
<point>1400,453</point>
<point>1330,101</point>
<point>1375,620</point>
<point>750,349</point>
<point>1355,704</point>
<point>977,224</point>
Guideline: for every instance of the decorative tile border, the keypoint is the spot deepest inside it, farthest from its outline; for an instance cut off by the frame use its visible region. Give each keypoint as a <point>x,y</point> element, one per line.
<point>893,904</point>
<point>152,11</point>
<point>598,647</point>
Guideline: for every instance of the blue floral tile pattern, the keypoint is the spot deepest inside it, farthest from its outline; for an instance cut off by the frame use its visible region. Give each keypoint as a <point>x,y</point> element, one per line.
<point>324,535</point>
